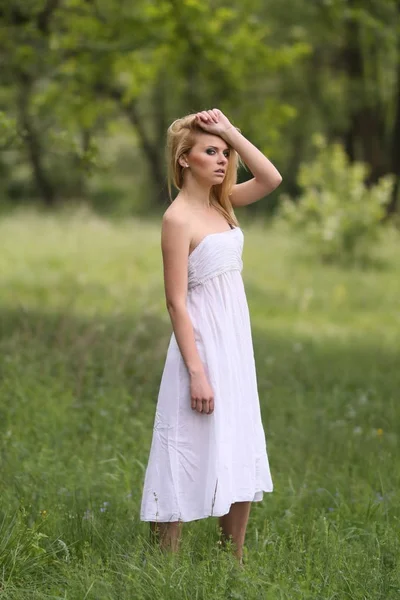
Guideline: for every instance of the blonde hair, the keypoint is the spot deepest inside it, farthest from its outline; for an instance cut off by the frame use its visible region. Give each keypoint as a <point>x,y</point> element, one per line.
<point>180,139</point>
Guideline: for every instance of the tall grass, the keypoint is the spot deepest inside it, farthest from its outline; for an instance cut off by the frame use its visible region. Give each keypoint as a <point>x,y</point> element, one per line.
<point>83,336</point>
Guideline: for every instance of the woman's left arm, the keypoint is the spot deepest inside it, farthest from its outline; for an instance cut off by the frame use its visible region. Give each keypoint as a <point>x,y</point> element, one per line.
<point>266,176</point>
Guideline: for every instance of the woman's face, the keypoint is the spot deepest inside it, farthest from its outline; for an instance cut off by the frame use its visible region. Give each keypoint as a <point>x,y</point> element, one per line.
<point>208,159</point>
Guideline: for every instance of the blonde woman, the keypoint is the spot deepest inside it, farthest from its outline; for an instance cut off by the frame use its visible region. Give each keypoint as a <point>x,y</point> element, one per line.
<point>208,455</point>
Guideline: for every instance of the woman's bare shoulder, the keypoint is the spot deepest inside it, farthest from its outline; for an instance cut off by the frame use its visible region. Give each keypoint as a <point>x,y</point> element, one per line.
<point>176,229</point>
<point>177,217</point>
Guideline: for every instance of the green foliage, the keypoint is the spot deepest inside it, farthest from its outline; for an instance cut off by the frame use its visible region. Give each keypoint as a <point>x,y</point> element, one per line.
<point>337,213</point>
<point>72,69</point>
<point>8,131</point>
<point>22,546</point>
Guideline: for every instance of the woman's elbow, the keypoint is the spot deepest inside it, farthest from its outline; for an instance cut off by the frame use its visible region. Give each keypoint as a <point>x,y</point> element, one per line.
<point>277,180</point>
<point>175,306</point>
<point>273,182</point>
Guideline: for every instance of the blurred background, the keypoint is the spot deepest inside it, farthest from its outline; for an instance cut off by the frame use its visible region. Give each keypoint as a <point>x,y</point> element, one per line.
<point>89,87</point>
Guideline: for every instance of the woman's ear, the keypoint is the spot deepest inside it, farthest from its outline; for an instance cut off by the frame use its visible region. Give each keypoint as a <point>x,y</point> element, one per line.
<point>182,161</point>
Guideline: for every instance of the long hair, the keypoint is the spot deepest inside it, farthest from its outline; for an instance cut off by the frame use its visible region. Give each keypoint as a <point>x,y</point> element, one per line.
<point>180,139</point>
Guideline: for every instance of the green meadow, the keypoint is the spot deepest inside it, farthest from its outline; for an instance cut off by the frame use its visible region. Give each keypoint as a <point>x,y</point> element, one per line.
<point>83,337</point>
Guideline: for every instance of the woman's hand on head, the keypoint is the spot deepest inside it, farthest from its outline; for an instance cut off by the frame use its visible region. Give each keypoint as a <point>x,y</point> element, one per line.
<point>213,121</point>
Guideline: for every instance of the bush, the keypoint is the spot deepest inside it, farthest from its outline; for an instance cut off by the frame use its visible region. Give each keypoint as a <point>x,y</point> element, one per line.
<point>340,216</point>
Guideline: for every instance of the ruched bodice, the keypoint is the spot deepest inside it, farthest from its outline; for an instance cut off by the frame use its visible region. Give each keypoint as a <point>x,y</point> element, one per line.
<point>217,253</point>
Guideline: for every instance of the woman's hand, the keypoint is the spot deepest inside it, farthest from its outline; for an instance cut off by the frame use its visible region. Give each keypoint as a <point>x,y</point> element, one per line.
<point>213,121</point>
<point>201,394</point>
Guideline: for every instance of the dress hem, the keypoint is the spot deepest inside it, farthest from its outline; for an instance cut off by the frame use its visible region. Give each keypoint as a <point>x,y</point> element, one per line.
<point>158,520</point>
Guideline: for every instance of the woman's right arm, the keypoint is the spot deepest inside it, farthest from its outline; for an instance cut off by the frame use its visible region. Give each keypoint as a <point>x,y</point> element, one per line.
<point>175,243</point>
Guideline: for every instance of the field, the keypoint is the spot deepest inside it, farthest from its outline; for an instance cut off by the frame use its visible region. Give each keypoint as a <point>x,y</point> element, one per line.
<point>83,337</point>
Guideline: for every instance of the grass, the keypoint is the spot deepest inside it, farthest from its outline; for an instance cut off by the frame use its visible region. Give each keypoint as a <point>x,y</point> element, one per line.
<point>83,336</point>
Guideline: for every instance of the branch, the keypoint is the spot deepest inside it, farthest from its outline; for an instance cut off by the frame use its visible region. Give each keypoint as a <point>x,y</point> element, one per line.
<point>131,112</point>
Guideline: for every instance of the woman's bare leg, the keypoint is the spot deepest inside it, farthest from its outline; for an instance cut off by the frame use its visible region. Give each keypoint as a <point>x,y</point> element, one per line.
<point>167,534</point>
<point>234,524</point>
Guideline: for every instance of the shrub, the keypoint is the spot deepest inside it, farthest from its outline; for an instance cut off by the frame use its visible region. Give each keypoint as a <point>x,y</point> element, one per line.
<point>340,216</point>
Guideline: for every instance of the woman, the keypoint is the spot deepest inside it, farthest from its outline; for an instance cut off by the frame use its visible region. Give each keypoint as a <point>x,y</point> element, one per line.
<point>208,454</point>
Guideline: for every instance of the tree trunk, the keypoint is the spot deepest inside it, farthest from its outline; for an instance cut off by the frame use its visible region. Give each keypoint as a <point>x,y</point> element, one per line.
<point>393,205</point>
<point>160,110</point>
<point>365,138</point>
<point>33,146</point>
<point>152,152</point>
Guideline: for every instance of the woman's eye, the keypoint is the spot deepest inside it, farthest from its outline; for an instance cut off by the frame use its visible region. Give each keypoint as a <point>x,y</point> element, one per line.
<point>212,151</point>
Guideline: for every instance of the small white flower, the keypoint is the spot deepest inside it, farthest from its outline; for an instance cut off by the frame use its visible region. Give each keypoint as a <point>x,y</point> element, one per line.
<point>351,413</point>
<point>363,399</point>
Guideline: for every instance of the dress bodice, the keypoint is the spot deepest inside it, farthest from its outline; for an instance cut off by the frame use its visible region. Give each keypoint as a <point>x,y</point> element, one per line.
<point>216,253</point>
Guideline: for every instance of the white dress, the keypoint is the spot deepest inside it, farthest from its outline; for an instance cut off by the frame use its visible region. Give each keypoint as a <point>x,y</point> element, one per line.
<point>200,464</point>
